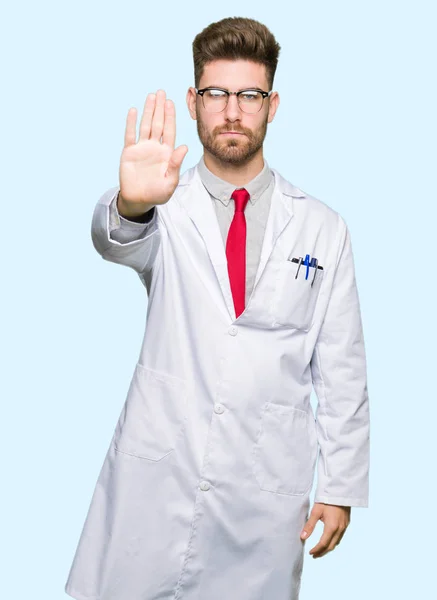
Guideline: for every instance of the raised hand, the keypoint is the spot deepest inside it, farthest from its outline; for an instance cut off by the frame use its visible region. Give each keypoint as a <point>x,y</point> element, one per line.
<point>149,168</point>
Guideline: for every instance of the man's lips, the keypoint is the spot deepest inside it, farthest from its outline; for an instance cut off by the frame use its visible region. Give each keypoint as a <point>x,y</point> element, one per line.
<point>232,133</point>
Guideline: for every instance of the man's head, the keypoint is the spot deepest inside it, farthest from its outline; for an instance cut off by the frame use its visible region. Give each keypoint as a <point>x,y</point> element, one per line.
<point>233,54</point>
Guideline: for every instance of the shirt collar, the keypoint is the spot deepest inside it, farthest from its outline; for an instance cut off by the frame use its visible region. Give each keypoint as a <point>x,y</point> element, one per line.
<point>222,190</point>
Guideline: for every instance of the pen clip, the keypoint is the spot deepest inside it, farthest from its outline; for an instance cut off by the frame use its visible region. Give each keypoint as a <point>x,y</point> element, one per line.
<point>316,262</point>
<point>300,262</point>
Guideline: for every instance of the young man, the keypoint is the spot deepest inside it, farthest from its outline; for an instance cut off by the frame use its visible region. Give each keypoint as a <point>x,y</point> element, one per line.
<point>204,491</point>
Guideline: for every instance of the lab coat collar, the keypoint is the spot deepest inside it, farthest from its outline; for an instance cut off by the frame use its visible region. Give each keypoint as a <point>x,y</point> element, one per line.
<point>195,200</point>
<point>284,186</point>
<point>221,190</point>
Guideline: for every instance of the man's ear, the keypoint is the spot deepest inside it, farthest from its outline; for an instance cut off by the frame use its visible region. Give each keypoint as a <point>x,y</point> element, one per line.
<point>191,102</point>
<point>273,106</point>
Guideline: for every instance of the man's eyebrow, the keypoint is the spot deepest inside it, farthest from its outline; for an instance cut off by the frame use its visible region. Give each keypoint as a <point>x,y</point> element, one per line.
<point>247,87</point>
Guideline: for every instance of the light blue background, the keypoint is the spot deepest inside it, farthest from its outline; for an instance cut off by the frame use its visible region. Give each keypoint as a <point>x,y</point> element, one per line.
<point>356,127</point>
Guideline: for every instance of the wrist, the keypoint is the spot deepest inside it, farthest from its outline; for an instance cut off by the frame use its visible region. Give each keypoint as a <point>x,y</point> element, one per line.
<point>132,212</point>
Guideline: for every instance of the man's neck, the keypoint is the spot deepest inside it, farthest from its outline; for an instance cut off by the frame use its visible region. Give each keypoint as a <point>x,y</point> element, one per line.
<point>238,175</point>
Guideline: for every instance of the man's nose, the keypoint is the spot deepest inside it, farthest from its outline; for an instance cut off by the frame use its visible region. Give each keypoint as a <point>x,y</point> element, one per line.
<point>233,110</point>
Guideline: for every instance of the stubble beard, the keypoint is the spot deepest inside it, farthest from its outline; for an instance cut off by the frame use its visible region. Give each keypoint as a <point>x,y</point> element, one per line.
<point>228,149</point>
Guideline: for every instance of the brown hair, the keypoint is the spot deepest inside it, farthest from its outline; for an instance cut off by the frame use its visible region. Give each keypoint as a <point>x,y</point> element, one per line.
<point>235,38</point>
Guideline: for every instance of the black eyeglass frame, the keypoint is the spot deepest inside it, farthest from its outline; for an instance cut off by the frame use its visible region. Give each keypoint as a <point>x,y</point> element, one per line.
<point>228,93</point>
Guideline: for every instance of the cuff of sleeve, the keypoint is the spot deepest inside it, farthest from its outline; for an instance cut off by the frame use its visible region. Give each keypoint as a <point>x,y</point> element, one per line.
<point>342,501</point>
<point>116,221</point>
<point>136,226</point>
<point>123,231</point>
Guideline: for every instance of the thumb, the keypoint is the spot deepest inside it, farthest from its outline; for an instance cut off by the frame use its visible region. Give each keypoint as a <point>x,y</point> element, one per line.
<point>175,161</point>
<point>309,526</point>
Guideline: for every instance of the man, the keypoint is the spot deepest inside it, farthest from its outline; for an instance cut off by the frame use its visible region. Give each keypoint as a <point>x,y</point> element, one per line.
<point>204,491</point>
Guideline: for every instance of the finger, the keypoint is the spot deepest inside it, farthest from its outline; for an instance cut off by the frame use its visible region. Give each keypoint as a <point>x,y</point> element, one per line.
<point>146,118</point>
<point>341,535</point>
<point>332,544</point>
<point>324,541</point>
<point>158,116</point>
<point>175,161</point>
<point>309,526</point>
<point>169,134</point>
<point>130,134</point>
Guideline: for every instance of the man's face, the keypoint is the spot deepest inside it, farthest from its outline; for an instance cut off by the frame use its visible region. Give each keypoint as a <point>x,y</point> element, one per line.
<point>252,128</point>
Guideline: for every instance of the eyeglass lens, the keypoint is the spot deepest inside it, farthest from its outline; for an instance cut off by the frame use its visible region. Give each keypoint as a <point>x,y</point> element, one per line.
<point>216,101</point>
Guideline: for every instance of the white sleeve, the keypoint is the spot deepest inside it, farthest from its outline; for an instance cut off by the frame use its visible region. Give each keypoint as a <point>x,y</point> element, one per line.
<point>122,241</point>
<point>339,375</point>
<point>123,230</point>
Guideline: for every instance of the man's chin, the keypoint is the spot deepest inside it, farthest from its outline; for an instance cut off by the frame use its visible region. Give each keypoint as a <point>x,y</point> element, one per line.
<point>232,158</point>
<point>231,152</point>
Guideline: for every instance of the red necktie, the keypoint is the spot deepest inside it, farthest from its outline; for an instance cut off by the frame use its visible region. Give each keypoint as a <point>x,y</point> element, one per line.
<point>236,250</point>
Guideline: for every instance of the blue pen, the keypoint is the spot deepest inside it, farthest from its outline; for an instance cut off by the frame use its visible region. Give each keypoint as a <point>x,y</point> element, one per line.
<point>306,262</point>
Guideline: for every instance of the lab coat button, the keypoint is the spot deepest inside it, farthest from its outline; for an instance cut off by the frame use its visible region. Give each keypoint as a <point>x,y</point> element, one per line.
<point>233,330</point>
<point>218,408</point>
<point>204,486</point>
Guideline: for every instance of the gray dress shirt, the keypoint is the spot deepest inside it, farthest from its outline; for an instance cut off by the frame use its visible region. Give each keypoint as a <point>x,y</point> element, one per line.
<point>256,212</point>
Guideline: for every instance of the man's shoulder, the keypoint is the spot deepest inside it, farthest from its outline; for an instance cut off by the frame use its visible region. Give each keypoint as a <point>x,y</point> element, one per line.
<point>305,202</point>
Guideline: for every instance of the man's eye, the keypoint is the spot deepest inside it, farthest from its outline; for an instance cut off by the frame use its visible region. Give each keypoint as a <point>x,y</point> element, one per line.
<point>249,95</point>
<point>216,93</point>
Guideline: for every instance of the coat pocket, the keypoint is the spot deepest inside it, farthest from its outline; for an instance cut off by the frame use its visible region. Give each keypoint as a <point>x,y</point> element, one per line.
<point>296,298</point>
<point>153,416</point>
<point>285,452</point>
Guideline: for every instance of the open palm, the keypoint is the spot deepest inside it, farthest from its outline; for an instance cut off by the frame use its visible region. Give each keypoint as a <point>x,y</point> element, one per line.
<point>149,168</point>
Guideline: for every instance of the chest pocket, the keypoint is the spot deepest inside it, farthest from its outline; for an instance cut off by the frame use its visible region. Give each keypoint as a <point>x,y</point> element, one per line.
<point>295,297</point>
<point>153,417</point>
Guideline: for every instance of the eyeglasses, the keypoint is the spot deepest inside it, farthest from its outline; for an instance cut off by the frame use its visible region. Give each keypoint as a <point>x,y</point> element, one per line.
<point>216,99</point>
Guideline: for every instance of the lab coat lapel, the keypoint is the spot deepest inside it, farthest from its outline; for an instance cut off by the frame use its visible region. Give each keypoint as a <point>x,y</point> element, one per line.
<point>279,219</point>
<point>200,209</point>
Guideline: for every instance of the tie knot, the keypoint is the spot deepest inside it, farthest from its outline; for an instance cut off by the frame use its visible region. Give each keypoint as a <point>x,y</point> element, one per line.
<point>241,198</point>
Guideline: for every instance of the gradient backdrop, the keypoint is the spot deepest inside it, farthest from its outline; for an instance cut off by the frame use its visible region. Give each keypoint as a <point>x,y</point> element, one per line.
<point>356,128</point>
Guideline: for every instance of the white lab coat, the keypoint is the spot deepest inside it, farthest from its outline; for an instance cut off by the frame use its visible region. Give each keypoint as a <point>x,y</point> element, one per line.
<point>205,486</point>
